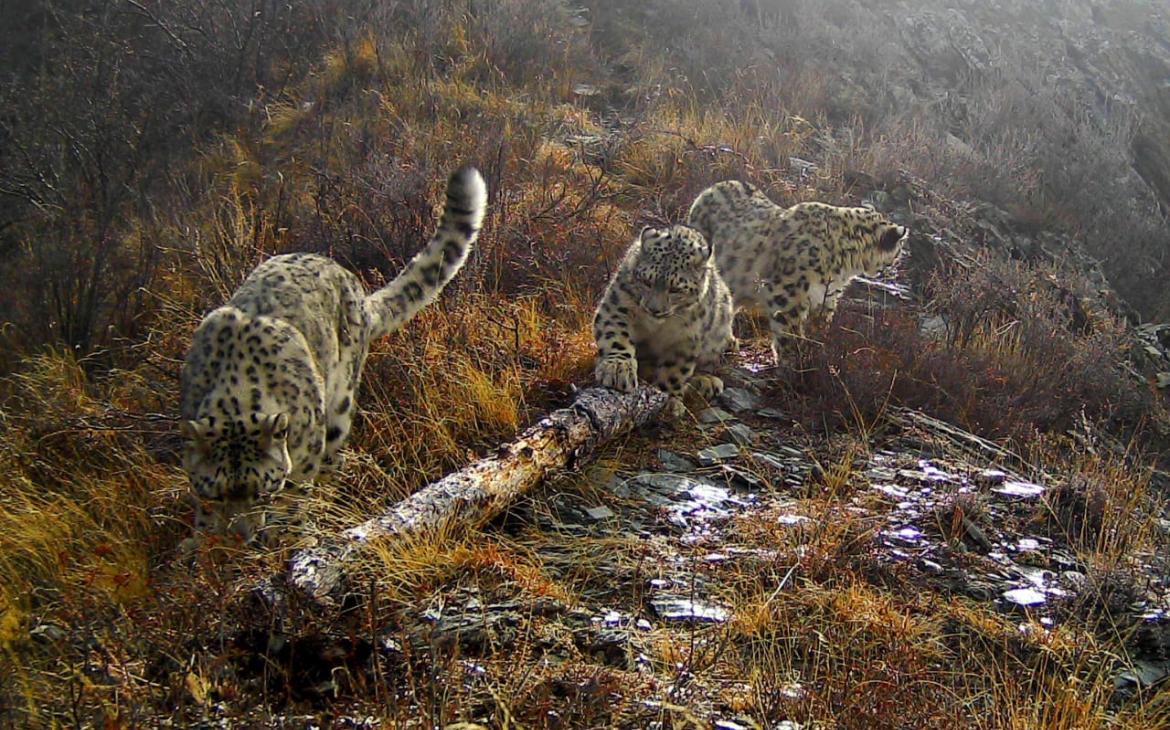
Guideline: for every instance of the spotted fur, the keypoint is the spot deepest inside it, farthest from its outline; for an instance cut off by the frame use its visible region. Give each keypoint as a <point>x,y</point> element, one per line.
<point>790,262</point>
<point>665,316</point>
<point>269,383</point>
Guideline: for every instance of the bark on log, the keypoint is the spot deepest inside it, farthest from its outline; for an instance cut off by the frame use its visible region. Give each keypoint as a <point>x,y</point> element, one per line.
<point>474,495</point>
<point>968,442</point>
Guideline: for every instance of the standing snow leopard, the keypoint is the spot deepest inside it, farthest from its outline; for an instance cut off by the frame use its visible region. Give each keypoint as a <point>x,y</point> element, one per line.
<point>788,262</point>
<point>665,315</point>
<point>268,385</point>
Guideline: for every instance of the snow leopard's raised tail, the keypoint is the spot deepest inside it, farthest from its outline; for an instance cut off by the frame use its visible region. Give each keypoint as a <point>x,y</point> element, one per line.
<point>421,281</point>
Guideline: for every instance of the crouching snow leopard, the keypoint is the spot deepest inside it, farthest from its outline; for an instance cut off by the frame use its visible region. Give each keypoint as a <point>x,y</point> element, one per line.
<point>788,262</point>
<point>268,385</point>
<point>665,315</point>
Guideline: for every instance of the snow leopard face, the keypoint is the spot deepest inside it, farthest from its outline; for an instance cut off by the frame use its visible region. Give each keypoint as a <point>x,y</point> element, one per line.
<point>885,237</point>
<point>237,461</point>
<point>671,273</point>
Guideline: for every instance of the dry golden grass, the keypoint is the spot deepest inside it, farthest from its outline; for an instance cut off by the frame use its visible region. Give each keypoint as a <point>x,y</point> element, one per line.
<point>819,640</point>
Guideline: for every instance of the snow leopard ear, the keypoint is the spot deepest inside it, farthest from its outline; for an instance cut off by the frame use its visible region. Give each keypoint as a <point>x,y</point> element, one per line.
<point>195,431</point>
<point>198,435</point>
<point>708,248</point>
<point>274,428</point>
<point>704,251</point>
<point>891,237</point>
<point>645,230</point>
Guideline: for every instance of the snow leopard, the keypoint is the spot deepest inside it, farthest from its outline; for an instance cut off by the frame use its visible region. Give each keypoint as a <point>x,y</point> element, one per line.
<point>269,382</point>
<point>790,262</point>
<point>665,317</point>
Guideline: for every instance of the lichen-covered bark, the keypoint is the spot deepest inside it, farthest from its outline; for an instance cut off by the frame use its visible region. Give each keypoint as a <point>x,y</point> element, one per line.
<point>479,492</point>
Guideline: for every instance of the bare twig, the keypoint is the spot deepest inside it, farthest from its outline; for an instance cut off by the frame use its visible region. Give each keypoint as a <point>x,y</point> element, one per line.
<point>145,11</point>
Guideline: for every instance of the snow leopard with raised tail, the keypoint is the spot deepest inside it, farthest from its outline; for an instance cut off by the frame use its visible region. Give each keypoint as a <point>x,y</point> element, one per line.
<point>665,317</point>
<point>269,383</point>
<point>789,262</point>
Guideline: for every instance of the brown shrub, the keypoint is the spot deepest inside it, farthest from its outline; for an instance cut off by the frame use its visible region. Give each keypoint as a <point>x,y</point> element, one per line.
<point>1014,359</point>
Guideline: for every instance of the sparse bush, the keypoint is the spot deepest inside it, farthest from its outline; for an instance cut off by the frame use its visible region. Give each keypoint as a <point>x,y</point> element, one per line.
<point>1109,594</point>
<point>92,135</point>
<point>1102,507</point>
<point>1019,357</point>
<point>960,515</point>
<point>1078,509</point>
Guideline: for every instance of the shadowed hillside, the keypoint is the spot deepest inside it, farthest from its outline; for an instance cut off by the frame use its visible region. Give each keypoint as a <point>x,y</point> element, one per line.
<point>837,549</point>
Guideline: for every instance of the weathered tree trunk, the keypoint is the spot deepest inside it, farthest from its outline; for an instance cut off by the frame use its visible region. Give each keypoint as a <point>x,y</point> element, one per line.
<point>969,442</point>
<point>472,496</point>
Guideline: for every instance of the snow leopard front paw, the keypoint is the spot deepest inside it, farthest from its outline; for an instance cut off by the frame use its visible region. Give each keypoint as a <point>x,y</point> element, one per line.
<point>620,374</point>
<point>705,386</point>
<point>674,410</point>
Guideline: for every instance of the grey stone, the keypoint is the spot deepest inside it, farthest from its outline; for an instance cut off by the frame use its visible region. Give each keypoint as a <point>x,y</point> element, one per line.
<point>681,608</point>
<point>48,633</point>
<point>657,499</point>
<point>743,378</point>
<point>990,477</point>
<point>1026,596</point>
<point>667,483</point>
<point>714,415</point>
<point>931,567</point>
<point>1018,490</point>
<point>802,166</point>
<point>933,327</point>
<point>771,460</point>
<point>978,590</point>
<point>880,200</point>
<point>739,433</point>
<point>739,399</point>
<point>743,476</point>
<point>1074,579</point>
<point>713,455</point>
<point>599,513</point>
<point>673,462</point>
<point>618,487</point>
<point>569,528</point>
<point>1144,673</point>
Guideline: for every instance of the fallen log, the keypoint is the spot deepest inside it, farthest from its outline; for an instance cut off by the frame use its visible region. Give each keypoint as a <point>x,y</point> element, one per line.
<point>474,495</point>
<point>963,440</point>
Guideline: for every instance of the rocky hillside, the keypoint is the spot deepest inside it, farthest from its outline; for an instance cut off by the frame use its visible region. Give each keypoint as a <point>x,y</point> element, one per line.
<point>1103,65</point>
<point>1056,111</point>
<point>1107,59</point>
